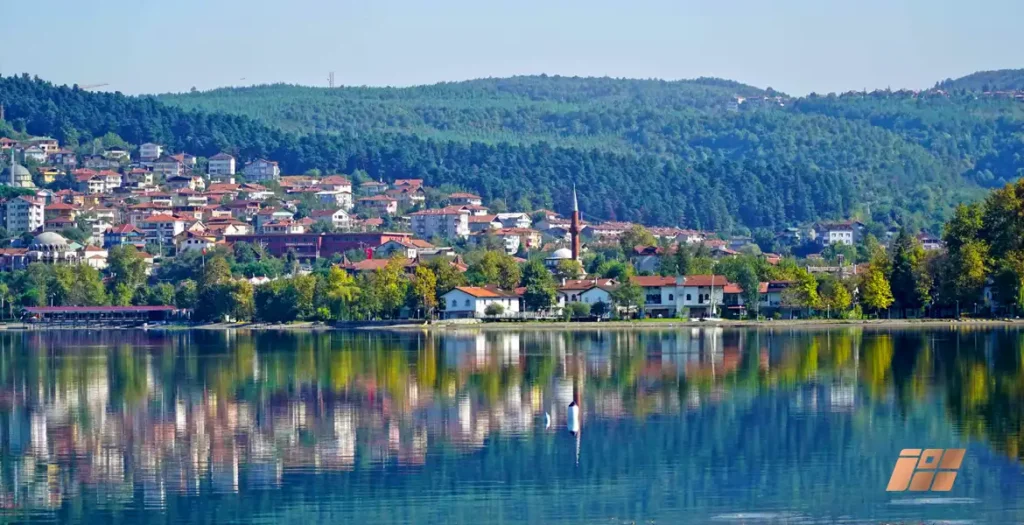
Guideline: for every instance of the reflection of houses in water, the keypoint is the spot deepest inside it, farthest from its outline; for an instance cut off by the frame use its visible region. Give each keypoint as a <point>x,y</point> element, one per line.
<point>159,435</point>
<point>469,351</point>
<point>836,396</point>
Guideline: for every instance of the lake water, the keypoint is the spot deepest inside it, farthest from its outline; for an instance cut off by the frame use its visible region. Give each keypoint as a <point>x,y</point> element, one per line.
<point>676,426</point>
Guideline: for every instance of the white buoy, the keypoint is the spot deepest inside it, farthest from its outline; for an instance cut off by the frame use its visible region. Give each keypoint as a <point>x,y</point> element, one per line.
<point>573,418</point>
<point>547,421</point>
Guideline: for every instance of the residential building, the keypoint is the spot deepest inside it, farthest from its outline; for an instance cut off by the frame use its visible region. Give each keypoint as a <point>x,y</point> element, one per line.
<point>25,214</point>
<point>221,165</point>
<point>450,223</point>
<point>46,144</point>
<point>163,228</point>
<point>115,153</point>
<point>34,153</point>
<point>336,198</point>
<point>408,249</point>
<point>169,167</point>
<point>515,220</point>
<point>311,246</point>
<point>465,199</point>
<point>149,152</point>
<point>336,183</point>
<point>847,233</point>
<point>339,219</point>
<point>283,226</point>
<point>192,241</point>
<point>268,215</point>
<point>262,170</point>
<point>380,204</point>
<point>471,302</point>
<point>480,223</point>
<point>373,187</point>
<point>408,196</point>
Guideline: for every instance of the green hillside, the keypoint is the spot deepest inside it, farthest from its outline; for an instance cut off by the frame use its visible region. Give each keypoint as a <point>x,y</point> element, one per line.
<point>998,80</point>
<point>671,153</point>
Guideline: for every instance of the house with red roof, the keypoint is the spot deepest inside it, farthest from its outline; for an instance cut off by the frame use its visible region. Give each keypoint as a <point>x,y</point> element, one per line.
<point>471,302</point>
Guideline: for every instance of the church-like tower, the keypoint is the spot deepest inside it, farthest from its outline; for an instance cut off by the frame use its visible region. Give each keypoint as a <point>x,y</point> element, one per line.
<point>574,227</point>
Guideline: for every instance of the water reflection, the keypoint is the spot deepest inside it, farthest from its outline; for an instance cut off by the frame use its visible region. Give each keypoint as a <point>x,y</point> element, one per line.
<point>201,426</point>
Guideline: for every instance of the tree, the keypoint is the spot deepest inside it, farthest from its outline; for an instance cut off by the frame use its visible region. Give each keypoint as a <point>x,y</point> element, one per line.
<point>683,258</point>
<point>568,269</point>
<point>876,294</point>
<point>127,269</point>
<point>576,310</point>
<point>161,295</point>
<point>635,236</point>
<point>909,279</point>
<point>447,276</point>
<point>540,286</point>
<point>494,310</point>
<point>600,309</point>
<point>341,291</point>
<point>628,295</point>
<point>496,268</point>
<point>425,290</point>
<point>750,284</point>
<point>391,286</point>
<point>215,271</point>
<point>834,295</point>
<point>803,292</point>
<point>186,294</point>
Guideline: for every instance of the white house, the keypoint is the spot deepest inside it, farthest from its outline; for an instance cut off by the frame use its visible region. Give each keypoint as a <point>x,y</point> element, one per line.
<point>471,302</point>
<point>221,165</point>
<point>162,228</point>
<point>340,219</point>
<point>262,170</point>
<point>149,152</point>
<point>336,198</point>
<point>25,214</point>
<point>451,223</point>
<point>34,153</point>
<point>515,220</point>
<point>847,233</point>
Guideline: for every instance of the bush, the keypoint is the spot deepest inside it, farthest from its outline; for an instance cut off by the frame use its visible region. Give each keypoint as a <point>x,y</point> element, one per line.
<point>599,309</point>
<point>576,310</point>
<point>494,310</point>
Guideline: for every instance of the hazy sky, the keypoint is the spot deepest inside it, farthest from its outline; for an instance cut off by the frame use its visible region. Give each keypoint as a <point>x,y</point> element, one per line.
<point>797,46</point>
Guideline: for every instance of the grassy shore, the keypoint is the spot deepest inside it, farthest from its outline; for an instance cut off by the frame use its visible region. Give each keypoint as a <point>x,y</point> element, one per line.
<point>663,324</point>
<point>643,324</point>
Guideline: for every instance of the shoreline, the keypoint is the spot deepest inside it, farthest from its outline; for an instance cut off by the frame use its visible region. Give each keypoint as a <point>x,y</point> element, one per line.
<point>497,326</point>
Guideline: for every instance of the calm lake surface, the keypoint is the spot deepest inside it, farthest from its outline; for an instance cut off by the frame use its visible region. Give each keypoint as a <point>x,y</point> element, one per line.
<point>676,426</point>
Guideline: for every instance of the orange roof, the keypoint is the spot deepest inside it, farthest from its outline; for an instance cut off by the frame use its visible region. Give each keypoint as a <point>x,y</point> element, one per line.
<point>653,280</point>
<point>706,280</point>
<point>163,217</point>
<point>477,291</point>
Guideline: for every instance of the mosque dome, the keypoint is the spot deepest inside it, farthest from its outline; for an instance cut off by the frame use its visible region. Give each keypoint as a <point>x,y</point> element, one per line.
<point>49,242</point>
<point>562,253</point>
<point>18,176</point>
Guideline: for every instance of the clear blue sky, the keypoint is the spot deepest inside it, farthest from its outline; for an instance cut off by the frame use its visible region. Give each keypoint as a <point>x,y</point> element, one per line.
<point>797,46</point>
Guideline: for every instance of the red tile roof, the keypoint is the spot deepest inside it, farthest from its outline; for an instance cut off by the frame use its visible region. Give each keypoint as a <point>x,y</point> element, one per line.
<point>705,280</point>
<point>653,280</point>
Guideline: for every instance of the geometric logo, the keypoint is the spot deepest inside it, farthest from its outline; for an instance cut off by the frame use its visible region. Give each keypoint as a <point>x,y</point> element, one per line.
<point>934,469</point>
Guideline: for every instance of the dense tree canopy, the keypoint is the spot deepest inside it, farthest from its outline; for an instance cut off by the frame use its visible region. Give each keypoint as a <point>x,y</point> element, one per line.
<point>673,153</point>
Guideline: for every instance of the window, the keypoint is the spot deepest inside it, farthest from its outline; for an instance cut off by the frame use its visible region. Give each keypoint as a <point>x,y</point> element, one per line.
<point>689,297</point>
<point>467,302</point>
<point>671,297</point>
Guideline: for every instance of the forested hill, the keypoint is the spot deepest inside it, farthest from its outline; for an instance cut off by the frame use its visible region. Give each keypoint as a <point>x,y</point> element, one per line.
<point>998,80</point>
<point>705,153</point>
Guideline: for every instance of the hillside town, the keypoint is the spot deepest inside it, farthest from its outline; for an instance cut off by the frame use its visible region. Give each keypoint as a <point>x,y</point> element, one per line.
<point>64,207</point>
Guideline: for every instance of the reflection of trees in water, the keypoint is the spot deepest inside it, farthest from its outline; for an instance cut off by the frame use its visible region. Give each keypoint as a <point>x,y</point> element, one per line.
<point>342,400</point>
